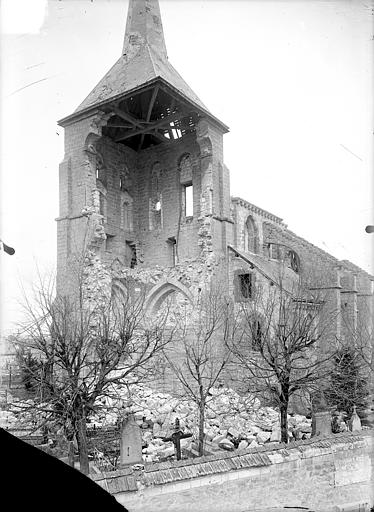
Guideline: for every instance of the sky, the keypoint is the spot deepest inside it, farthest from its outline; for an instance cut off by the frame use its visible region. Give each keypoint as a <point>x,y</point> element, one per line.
<point>292,79</point>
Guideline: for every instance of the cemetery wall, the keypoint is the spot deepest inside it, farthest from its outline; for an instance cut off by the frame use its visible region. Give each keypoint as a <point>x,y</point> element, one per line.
<point>332,473</point>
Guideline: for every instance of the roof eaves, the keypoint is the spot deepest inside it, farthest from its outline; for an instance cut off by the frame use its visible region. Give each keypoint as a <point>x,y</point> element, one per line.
<point>91,109</point>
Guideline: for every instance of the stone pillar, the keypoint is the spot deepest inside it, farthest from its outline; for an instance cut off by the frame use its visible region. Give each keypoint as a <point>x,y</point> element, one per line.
<point>131,442</point>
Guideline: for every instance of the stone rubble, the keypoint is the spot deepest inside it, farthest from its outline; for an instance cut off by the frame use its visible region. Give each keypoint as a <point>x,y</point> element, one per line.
<point>232,421</point>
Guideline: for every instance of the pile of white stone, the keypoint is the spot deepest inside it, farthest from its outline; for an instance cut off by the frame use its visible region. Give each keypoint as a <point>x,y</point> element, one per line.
<point>7,419</point>
<point>232,421</point>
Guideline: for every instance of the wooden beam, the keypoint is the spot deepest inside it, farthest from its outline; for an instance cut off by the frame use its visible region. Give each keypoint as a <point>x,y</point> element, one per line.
<point>156,124</point>
<point>128,117</point>
<point>162,138</point>
<point>149,113</point>
<point>119,125</point>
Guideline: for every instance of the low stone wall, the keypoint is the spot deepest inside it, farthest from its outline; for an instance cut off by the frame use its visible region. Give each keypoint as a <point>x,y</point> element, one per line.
<point>326,474</point>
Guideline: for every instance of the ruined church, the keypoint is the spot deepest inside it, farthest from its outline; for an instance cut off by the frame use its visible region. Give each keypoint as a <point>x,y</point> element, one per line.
<point>144,187</point>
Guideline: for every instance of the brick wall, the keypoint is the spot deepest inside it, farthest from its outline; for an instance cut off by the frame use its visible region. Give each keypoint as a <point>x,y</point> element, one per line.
<point>324,474</point>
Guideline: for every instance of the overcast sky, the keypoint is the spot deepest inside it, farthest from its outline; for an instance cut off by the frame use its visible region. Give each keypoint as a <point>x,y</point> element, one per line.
<point>292,79</point>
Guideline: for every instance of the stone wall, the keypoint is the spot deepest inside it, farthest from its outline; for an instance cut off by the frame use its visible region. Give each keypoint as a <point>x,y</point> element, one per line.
<point>325,474</point>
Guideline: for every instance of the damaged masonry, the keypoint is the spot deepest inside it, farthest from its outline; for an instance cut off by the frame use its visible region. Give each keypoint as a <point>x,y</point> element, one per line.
<point>144,191</point>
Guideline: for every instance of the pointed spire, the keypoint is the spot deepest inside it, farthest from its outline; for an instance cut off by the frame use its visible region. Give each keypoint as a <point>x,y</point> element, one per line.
<point>143,61</point>
<point>144,27</point>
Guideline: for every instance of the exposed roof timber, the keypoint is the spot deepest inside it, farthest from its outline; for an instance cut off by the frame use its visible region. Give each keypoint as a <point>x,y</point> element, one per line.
<point>128,117</point>
<point>157,124</point>
<point>164,85</point>
<point>152,102</point>
<point>149,113</point>
<point>159,137</point>
<point>178,96</point>
<point>119,125</point>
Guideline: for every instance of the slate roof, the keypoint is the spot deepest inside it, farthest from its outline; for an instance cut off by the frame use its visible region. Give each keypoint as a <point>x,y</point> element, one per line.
<point>125,76</point>
<point>269,269</point>
<point>275,232</point>
<point>144,61</point>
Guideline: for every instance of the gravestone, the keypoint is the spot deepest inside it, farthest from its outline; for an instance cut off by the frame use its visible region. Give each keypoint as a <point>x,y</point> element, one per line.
<point>131,442</point>
<point>354,422</point>
<point>321,423</point>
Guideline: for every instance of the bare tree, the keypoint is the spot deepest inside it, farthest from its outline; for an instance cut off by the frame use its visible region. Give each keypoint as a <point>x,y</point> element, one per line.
<point>200,356</point>
<point>84,347</point>
<point>278,345</point>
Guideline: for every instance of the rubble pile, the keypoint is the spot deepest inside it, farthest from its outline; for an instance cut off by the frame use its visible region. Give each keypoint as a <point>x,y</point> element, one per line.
<point>231,422</point>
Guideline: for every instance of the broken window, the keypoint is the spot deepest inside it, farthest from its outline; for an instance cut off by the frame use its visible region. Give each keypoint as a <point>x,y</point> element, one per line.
<point>185,169</point>
<point>172,245</point>
<point>257,335</point>
<point>245,284</point>
<point>188,200</point>
<point>100,168</point>
<point>173,132</point>
<point>127,212</point>
<point>131,254</point>
<point>293,261</point>
<point>155,199</point>
<point>125,181</point>
<point>274,252</point>
<point>155,213</point>
<point>127,215</point>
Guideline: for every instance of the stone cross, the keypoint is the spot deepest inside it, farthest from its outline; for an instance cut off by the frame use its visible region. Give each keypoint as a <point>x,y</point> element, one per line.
<point>176,437</point>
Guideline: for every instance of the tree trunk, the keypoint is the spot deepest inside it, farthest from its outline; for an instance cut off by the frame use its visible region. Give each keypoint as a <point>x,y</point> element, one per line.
<point>82,445</point>
<point>71,453</point>
<point>201,428</point>
<point>284,422</point>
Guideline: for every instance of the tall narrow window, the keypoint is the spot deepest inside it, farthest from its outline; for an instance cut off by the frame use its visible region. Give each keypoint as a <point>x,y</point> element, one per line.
<point>172,243</point>
<point>188,200</point>
<point>245,282</point>
<point>132,260</point>
<point>250,235</point>
<point>102,204</point>
<point>256,335</point>
<point>274,251</point>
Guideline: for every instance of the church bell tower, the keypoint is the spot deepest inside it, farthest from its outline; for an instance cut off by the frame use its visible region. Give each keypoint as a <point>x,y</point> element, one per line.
<point>143,181</point>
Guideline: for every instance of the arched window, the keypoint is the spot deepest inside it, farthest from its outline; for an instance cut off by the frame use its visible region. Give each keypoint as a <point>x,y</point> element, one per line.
<point>127,222</point>
<point>127,215</point>
<point>185,168</point>
<point>250,235</point>
<point>155,199</point>
<point>293,261</point>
